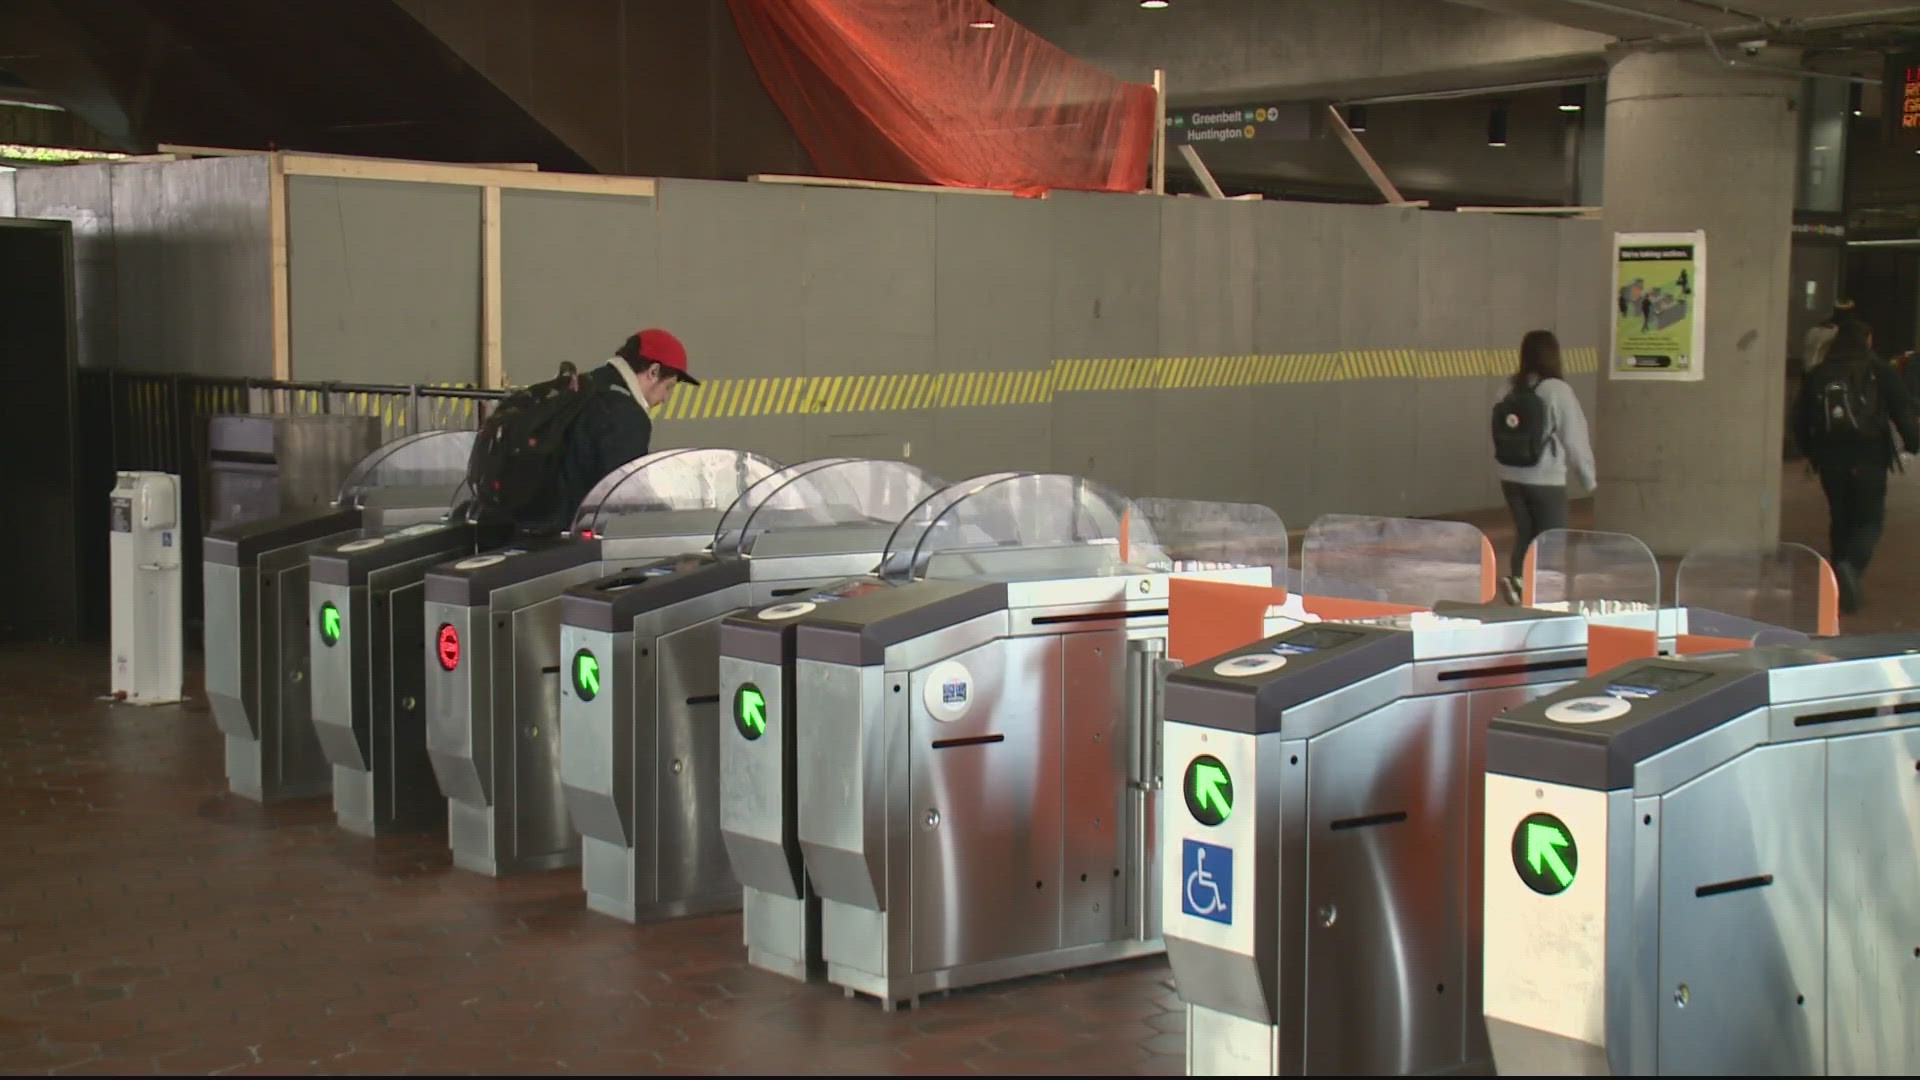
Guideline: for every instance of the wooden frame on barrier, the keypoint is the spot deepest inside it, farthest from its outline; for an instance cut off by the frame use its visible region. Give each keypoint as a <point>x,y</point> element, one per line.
<point>490,179</point>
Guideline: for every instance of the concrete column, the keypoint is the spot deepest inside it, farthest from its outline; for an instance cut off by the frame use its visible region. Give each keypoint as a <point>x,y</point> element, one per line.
<point>1693,143</point>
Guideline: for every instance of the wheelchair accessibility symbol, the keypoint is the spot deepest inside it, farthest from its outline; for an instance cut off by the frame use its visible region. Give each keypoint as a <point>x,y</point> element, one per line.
<point>1207,880</point>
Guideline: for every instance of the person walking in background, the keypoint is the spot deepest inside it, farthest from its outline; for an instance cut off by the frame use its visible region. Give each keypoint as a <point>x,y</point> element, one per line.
<point>1539,437</point>
<point>1819,337</point>
<point>1850,409</point>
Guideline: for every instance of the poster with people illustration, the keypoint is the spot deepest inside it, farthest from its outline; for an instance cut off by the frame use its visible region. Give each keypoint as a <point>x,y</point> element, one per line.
<point>1658,331</point>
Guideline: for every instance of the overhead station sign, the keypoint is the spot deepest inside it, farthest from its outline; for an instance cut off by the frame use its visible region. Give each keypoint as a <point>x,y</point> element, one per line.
<point>1239,123</point>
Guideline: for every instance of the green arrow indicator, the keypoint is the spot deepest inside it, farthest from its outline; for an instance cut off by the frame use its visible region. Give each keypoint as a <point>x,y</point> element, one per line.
<point>750,711</point>
<point>329,623</point>
<point>1544,854</point>
<point>586,675</point>
<point>1543,846</point>
<point>1209,790</point>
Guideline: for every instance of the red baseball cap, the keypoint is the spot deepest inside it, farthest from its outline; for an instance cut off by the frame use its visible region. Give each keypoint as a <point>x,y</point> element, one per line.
<point>660,347</point>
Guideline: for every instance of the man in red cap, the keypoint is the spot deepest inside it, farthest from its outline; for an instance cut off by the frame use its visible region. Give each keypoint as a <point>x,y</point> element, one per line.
<point>616,425</point>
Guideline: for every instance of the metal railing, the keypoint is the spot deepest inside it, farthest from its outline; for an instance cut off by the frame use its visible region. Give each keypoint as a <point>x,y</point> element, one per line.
<point>154,421</point>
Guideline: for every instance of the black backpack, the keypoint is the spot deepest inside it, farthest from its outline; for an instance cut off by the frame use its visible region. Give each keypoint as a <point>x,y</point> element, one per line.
<point>1520,432</point>
<point>515,465</point>
<point>1850,407</point>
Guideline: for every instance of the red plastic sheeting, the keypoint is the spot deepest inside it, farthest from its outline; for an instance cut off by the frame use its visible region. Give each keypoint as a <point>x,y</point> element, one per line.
<point>907,91</point>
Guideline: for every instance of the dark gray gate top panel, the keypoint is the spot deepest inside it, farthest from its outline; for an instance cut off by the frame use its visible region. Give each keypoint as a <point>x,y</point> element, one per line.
<point>331,566</point>
<point>1320,658</point>
<point>744,635</point>
<point>859,629</point>
<point>612,603</point>
<point>532,558</point>
<point>242,545</point>
<point>1689,697</point>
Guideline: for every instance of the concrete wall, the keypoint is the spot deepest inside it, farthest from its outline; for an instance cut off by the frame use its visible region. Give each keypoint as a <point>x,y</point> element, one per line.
<point>171,261</point>
<point>1311,357</point>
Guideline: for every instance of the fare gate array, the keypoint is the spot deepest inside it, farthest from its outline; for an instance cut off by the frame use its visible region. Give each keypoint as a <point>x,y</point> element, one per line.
<point>258,616</point>
<point>641,712</point>
<point>947,771</point>
<point>1721,854</point>
<point>959,759</point>
<point>1337,853</point>
<point>493,672</point>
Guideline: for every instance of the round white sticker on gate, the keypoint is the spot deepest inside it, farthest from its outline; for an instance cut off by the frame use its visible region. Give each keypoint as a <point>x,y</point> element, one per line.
<point>1588,710</point>
<point>480,562</point>
<point>949,692</point>
<point>778,612</point>
<point>369,543</point>
<point>1239,667</point>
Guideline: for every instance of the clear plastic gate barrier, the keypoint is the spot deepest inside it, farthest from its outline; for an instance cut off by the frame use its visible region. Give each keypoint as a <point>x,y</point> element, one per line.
<point>832,491</point>
<point>1394,560</point>
<point>1591,573</point>
<point>1194,535</point>
<point>1767,594</point>
<point>670,481</point>
<point>1012,527</point>
<point>425,459</point>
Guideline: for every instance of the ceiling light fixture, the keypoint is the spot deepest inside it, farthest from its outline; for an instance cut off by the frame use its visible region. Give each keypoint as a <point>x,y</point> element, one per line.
<point>1356,118</point>
<point>1497,126</point>
<point>1573,99</point>
<point>982,24</point>
<point>1153,5</point>
<point>1855,95</point>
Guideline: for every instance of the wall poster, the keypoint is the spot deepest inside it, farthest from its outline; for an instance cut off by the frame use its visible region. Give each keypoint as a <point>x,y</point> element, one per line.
<point>1659,329</point>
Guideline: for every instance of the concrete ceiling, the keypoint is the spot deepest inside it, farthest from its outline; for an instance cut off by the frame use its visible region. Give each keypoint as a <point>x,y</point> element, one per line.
<point>1636,20</point>
<point>1225,51</point>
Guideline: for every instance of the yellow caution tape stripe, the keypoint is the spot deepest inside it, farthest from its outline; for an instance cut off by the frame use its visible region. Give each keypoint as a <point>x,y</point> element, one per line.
<point>807,395</point>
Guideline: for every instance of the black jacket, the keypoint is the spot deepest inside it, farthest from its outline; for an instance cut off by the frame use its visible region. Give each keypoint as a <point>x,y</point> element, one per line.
<point>611,430</point>
<point>1876,448</point>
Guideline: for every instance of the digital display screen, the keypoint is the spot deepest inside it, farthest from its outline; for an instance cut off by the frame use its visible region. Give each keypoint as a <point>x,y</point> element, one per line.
<point>1646,682</point>
<point>1312,639</point>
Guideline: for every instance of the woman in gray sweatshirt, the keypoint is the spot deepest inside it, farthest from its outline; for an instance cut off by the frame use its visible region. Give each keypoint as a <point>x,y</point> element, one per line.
<point>1537,493</point>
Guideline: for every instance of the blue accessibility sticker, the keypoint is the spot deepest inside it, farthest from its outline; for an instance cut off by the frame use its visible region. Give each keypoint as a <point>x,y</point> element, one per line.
<point>1206,876</point>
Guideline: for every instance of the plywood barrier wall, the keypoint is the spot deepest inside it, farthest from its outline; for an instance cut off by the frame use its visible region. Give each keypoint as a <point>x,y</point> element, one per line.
<point>1311,357</point>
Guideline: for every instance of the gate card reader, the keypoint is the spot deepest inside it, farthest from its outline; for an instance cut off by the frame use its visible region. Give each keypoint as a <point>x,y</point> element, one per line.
<point>257,611</point>
<point>367,646</point>
<point>493,667</point>
<point>1707,866</point>
<point>1321,883</point>
<point>641,711</point>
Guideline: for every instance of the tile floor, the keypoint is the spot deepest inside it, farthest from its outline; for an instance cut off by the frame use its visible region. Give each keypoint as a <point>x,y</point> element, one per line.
<point>152,923</point>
